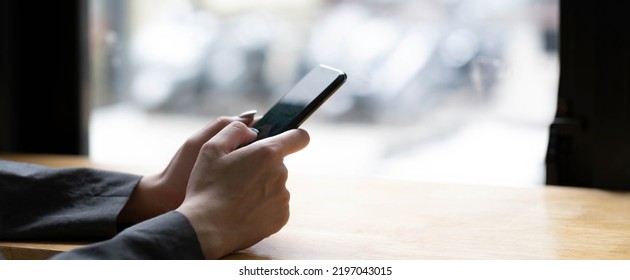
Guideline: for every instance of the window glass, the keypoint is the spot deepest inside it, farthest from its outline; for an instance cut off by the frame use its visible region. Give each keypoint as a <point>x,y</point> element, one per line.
<point>437,90</point>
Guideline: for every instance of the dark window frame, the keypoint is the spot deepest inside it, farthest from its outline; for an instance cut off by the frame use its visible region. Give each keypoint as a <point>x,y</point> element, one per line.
<point>43,104</point>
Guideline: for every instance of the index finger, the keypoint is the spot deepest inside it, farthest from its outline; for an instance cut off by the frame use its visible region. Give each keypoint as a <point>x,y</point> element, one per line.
<point>228,139</point>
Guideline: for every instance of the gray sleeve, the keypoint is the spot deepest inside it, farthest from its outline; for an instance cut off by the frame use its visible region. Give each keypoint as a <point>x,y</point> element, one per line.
<point>168,236</point>
<point>42,203</point>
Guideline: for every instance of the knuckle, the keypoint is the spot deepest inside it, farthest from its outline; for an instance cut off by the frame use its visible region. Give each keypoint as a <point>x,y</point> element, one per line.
<point>234,125</point>
<point>270,151</point>
<point>283,173</point>
<point>285,217</point>
<point>191,142</point>
<point>210,148</point>
<point>286,195</point>
<point>223,120</point>
<point>194,141</point>
<point>238,125</point>
<point>286,212</point>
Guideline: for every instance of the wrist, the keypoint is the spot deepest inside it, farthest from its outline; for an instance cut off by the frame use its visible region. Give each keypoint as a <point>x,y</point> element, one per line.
<point>213,243</point>
<point>149,199</point>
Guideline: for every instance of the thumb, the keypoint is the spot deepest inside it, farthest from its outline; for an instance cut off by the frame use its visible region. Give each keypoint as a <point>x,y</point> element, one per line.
<point>229,138</point>
<point>289,141</point>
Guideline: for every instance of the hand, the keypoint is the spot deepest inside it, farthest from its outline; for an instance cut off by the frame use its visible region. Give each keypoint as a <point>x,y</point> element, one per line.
<point>235,198</point>
<point>163,192</point>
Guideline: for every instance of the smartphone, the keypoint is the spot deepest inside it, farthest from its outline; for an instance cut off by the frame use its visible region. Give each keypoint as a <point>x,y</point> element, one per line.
<point>301,101</point>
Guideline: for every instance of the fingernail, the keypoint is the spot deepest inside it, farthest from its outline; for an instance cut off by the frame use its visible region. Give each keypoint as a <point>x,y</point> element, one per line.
<point>248,114</point>
<point>254,130</point>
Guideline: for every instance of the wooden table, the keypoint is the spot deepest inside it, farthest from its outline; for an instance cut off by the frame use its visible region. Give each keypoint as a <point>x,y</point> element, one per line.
<point>336,217</point>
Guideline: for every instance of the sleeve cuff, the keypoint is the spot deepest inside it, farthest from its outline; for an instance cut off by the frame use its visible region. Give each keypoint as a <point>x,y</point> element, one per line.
<point>168,236</point>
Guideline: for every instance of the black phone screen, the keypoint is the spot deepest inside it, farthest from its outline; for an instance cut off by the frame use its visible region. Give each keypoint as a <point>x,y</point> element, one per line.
<point>301,101</point>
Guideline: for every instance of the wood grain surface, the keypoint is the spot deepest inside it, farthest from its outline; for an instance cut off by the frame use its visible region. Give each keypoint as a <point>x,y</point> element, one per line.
<point>337,217</point>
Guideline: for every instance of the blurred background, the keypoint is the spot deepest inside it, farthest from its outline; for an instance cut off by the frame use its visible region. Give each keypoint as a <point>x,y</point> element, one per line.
<point>438,90</point>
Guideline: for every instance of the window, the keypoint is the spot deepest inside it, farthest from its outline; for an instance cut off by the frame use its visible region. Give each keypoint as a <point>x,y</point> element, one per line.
<point>438,90</point>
